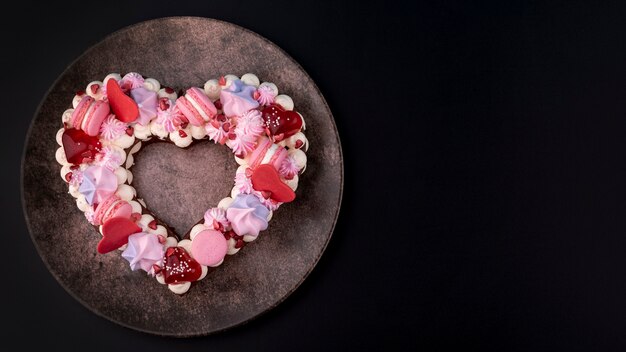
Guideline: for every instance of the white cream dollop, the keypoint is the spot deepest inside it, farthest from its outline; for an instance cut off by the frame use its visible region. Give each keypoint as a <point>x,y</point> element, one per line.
<point>180,141</point>
<point>181,288</point>
<point>225,203</point>
<point>250,79</point>
<point>67,117</point>
<point>125,192</point>
<point>284,101</point>
<point>158,130</point>
<point>272,86</point>
<point>99,92</point>
<point>300,158</point>
<point>115,76</point>
<point>164,94</point>
<point>124,141</point>
<point>196,229</point>
<point>142,132</point>
<point>60,156</point>
<point>152,84</point>
<point>212,89</point>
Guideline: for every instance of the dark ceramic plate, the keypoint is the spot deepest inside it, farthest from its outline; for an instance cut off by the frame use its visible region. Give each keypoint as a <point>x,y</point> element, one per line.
<point>179,185</point>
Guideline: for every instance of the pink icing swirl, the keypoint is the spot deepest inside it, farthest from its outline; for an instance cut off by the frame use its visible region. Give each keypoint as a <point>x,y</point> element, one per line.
<point>289,168</point>
<point>109,158</point>
<point>170,118</point>
<point>112,128</point>
<point>216,217</point>
<point>250,123</point>
<point>241,144</point>
<point>133,80</point>
<point>265,95</point>
<point>215,132</point>
<point>243,183</point>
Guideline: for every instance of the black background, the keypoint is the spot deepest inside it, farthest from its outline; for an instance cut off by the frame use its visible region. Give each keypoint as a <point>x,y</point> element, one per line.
<point>484,203</point>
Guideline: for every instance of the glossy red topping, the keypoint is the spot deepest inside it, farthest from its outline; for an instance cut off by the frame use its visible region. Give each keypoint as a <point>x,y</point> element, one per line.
<point>79,146</point>
<point>179,266</point>
<point>281,123</point>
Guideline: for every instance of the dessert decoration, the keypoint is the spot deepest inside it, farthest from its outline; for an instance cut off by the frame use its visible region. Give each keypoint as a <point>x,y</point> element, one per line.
<point>114,118</point>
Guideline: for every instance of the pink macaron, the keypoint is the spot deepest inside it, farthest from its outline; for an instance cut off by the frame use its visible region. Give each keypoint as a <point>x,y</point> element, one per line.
<point>196,106</point>
<point>89,114</point>
<point>209,247</point>
<point>267,152</point>
<point>112,207</point>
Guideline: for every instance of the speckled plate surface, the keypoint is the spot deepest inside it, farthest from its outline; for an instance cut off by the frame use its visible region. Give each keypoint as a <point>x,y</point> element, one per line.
<point>179,185</point>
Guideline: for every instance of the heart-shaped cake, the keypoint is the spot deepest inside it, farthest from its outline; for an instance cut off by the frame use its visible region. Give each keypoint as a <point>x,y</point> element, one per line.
<point>112,119</point>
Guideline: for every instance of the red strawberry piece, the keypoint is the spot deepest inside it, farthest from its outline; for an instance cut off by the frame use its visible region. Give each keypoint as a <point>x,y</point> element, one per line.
<point>169,90</point>
<point>157,269</point>
<point>130,130</point>
<point>265,178</point>
<point>115,234</point>
<point>152,224</point>
<point>78,145</point>
<point>281,123</point>
<point>299,144</point>
<point>182,134</point>
<point>135,216</point>
<point>94,88</point>
<point>123,106</point>
<point>179,266</point>
<point>68,177</point>
<point>222,81</point>
<point>164,103</point>
<point>218,104</point>
<point>217,225</point>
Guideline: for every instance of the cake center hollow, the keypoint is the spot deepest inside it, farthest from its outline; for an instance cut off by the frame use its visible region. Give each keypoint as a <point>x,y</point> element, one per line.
<point>178,185</point>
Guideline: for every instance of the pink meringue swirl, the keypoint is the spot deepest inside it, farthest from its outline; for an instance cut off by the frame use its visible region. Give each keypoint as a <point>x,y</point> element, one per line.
<point>109,158</point>
<point>112,128</point>
<point>134,79</point>
<point>216,134</point>
<point>241,144</point>
<point>250,123</point>
<point>216,217</point>
<point>247,215</point>
<point>265,95</point>
<point>144,250</point>
<point>169,118</point>
<point>289,168</point>
<point>237,99</point>
<point>243,183</point>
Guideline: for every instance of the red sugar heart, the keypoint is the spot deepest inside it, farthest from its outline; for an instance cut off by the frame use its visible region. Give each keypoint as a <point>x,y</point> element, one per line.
<point>180,267</point>
<point>281,123</point>
<point>265,178</point>
<point>115,234</point>
<point>78,146</point>
<point>123,106</point>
